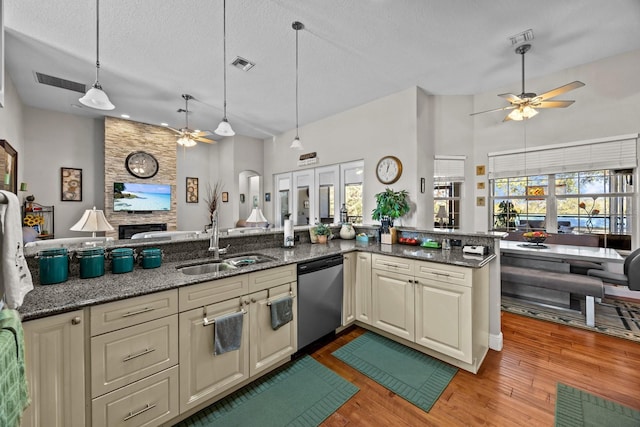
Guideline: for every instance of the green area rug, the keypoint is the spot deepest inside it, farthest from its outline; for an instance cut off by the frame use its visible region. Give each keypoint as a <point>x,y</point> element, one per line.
<point>304,393</point>
<point>615,317</point>
<point>414,376</point>
<point>575,408</point>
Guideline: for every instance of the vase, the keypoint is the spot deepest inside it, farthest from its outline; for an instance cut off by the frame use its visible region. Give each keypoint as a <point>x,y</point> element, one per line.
<point>313,237</point>
<point>347,232</point>
<point>322,239</point>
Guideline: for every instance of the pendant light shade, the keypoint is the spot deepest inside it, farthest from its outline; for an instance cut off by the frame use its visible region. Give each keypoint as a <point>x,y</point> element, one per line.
<point>224,128</point>
<point>296,144</point>
<point>522,113</point>
<point>96,97</point>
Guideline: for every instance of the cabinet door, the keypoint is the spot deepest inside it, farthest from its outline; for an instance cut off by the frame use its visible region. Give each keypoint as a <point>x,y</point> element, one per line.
<point>363,287</point>
<point>393,303</point>
<point>54,353</point>
<point>204,375</point>
<point>349,286</point>
<point>444,318</point>
<point>268,346</point>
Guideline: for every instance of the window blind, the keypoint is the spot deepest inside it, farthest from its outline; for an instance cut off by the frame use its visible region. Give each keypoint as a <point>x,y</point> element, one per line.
<point>448,168</point>
<point>610,153</point>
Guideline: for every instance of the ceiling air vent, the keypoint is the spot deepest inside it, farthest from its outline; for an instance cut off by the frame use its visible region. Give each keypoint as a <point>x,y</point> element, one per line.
<point>61,83</point>
<point>243,64</point>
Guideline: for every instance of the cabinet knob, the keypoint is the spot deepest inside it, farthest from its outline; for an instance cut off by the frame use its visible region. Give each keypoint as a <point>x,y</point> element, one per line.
<point>76,320</point>
<point>246,302</point>
<point>253,300</point>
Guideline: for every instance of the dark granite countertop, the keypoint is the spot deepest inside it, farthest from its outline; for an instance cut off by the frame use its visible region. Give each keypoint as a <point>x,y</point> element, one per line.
<point>46,300</point>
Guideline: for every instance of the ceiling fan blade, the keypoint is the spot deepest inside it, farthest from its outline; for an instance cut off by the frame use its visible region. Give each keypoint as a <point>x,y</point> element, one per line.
<point>553,104</point>
<point>202,139</point>
<point>559,90</point>
<point>508,107</point>
<point>511,97</point>
<point>178,131</point>
<point>202,134</point>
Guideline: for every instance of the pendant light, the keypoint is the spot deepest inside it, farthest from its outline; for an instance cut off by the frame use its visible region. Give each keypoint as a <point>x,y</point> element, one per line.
<point>224,128</point>
<point>96,97</point>
<point>296,144</point>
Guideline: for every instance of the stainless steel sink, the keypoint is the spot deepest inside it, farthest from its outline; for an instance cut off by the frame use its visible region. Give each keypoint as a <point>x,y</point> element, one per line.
<point>248,259</point>
<point>212,267</point>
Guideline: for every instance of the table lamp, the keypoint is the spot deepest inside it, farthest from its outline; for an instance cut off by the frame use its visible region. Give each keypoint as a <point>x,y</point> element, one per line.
<point>256,219</point>
<point>442,215</point>
<point>92,220</point>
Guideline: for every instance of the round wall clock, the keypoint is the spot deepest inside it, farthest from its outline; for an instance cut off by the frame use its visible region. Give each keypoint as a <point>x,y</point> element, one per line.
<point>141,164</point>
<point>389,169</point>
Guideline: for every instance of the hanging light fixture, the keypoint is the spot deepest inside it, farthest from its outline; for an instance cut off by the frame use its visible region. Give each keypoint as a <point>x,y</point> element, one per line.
<point>296,144</point>
<point>96,97</point>
<point>224,128</point>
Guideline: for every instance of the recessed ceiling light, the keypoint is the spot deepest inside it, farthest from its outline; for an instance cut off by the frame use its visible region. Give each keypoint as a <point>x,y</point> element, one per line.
<point>124,116</point>
<point>164,124</point>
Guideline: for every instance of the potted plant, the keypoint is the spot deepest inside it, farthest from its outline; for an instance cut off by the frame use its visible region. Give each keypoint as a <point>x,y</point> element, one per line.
<point>390,205</point>
<point>322,231</point>
<point>506,216</point>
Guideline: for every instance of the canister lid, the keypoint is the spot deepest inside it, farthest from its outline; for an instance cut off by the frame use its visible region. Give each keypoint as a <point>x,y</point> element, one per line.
<point>151,252</point>
<point>53,252</point>
<point>90,252</point>
<point>120,252</point>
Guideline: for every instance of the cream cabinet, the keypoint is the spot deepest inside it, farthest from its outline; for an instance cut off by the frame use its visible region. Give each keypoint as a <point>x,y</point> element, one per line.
<point>439,307</point>
<point>54,356</point>
<point>134,360</point>
<point>363,287</point>
<point>204,375</point>
<point>349,287</point>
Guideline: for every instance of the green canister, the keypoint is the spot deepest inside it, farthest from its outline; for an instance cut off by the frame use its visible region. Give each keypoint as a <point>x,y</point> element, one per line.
<point>91,262</point>
<point>122,260</point>
<point>54,266</point>
<point>151,258</point>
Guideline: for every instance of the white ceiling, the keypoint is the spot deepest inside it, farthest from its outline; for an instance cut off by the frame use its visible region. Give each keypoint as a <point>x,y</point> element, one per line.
<point>351,52</point>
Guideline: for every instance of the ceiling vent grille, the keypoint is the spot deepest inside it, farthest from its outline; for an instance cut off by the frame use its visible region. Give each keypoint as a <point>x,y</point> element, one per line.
<point>46,79</point>
<point>243,64</point>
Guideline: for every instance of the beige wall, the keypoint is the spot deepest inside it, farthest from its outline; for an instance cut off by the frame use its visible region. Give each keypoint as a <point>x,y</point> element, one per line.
<point>11,123</point>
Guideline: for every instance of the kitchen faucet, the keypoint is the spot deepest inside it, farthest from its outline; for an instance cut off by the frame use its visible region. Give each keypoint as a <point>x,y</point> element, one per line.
<point>214,239</point>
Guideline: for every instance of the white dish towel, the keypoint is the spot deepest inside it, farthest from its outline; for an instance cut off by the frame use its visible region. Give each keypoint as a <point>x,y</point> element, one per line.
<point>15,277</point>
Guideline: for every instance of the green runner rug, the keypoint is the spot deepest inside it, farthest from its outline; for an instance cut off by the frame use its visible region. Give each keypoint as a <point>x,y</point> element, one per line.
<point>304,393</point>
<point>577,408</point>
<point>414,376</point>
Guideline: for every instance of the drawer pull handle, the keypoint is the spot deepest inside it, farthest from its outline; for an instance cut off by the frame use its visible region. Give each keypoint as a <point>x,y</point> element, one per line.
<point>390,265</point>
<point>133,313</point>
<point>142,353</point>
<point>76,320</point>
<point>441,274</point>
<point>141,411</point>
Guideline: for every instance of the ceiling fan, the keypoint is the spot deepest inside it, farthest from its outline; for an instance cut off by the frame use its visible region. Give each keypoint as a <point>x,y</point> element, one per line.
<point>524,105</point>
<point>189,137</point>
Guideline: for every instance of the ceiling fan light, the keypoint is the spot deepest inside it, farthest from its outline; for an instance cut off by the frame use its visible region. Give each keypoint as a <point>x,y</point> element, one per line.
<point>97,98</point>
<point>224,128</point>
<point>296,144</point>
<point>185,141</point>
<point>528,112</point>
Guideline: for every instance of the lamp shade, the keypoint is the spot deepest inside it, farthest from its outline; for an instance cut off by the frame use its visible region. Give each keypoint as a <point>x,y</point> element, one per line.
<point>97,98</point>
<point>92,220</point>
<point>442,212</point>
<point>185,141</point>
<point>224,128</point>
<point>256,218</point>
<point>296,144</point>
<point>522,113</point>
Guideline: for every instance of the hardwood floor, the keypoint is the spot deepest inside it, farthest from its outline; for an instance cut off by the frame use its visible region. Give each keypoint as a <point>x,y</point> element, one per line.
<point>516,386</point>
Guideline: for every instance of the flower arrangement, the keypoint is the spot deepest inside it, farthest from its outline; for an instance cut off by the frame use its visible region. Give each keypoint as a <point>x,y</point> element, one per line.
<point>322,230</point>
<point>590,213</point>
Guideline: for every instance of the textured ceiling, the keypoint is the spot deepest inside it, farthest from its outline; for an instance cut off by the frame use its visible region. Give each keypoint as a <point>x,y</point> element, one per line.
<point>351,52</point>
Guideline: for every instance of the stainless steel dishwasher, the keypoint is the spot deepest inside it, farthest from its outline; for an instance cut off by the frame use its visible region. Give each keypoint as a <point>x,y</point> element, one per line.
<point>319,298</point>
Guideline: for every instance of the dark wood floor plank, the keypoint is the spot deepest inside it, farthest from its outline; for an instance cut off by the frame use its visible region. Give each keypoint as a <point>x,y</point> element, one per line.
<point>515,387</point>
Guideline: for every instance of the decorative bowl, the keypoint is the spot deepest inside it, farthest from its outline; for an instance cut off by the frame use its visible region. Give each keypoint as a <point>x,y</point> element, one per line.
<point>536,237</point>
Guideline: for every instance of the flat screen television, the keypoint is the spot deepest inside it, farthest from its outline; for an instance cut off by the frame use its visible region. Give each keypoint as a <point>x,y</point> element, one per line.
<point>134,197</point>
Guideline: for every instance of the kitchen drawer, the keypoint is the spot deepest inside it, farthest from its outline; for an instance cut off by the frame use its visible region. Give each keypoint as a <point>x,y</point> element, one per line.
<point>132,311</point>
<point>266,279</point>
<point>393,264</point>
<point>444,273</point>
<point>126,355</point>
<point>149,402</point>
<point>213,291</point>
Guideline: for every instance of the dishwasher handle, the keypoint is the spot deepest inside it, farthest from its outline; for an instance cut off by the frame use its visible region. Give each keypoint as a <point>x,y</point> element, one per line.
<point>319,264</point>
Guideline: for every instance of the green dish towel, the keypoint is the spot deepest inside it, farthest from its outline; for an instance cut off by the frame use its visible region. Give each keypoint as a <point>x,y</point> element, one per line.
<point>13,380</point>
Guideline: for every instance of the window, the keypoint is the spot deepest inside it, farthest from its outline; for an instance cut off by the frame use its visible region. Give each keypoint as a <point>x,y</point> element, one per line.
<point>598,202</point>
<point>447,194</point>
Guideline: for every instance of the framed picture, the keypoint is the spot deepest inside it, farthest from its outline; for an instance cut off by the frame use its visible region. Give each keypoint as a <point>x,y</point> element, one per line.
<point>71,185</point>
<point>267,197</point>
<point>225,197</point>
<point>480,170</point>
<point>192,190</point>
<point>8,167</point>
<point>480,185</point>
<point>480,201</point>
<point>241,198</point>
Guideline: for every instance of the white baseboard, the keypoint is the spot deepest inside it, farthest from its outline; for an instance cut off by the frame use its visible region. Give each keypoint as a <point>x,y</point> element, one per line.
<point>495,342</point>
